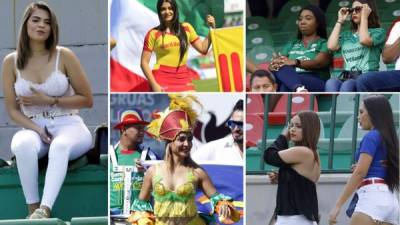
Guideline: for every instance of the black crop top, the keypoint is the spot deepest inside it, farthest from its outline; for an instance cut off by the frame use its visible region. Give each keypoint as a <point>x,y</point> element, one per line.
<point>296,195</point>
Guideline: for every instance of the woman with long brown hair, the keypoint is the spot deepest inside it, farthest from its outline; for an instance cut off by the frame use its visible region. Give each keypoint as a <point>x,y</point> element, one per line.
<point>299,170</point>
<point>360,47</point>
<point>44,86</point>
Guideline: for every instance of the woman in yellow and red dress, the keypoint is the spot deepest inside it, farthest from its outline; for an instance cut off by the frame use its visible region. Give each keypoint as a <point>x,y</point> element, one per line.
<point>170,41</point>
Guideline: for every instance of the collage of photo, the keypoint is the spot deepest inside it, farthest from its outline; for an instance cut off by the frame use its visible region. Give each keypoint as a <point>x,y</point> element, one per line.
<point>199,112</point>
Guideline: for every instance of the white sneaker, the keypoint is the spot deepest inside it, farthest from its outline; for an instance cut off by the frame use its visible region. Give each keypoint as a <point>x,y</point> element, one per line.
<point>39,214</point>
<point>301,89</point>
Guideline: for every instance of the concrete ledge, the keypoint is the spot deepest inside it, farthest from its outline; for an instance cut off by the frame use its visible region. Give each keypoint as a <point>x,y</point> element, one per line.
<point>90,221</point>
<point>33,222</point>
<point>261,197</point>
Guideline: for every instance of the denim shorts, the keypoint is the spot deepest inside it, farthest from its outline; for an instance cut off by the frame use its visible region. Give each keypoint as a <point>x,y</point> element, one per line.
<point>378,202</point>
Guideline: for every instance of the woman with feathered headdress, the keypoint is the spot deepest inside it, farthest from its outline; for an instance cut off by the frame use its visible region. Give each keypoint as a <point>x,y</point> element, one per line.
<point>174,181</point>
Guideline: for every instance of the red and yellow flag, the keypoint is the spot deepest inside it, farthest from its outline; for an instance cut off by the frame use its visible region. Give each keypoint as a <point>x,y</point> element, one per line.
<point>228,53</point>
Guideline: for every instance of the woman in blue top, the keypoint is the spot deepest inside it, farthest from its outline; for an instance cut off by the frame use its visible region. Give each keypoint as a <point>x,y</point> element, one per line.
<point>360,47</point>
<point>304,64</point>
<point>376,175</point>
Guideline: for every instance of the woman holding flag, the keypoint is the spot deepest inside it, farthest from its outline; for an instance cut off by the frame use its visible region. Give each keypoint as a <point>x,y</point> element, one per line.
<point>170,41</point>
<point>174,181</point>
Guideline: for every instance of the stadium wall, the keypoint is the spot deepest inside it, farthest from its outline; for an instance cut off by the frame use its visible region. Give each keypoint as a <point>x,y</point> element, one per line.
<point>83,29</point>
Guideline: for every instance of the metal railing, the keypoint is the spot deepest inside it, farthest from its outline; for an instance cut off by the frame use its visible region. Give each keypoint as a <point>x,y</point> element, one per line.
<point>333,116</point>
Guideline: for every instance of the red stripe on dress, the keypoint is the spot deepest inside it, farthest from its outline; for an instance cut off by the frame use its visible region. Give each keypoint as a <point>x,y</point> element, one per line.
<point>237,72</point>
<point>194,40</point>
<point>224,72</point>
<point>186,28</point>
<point>146,42</point>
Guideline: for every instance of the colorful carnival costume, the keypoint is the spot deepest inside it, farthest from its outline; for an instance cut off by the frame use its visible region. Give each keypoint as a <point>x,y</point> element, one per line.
<point>178,206</point>
<point>171,75</point>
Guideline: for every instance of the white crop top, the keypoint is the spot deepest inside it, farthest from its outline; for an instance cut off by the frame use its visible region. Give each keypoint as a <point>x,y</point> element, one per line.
<point>56,85</point>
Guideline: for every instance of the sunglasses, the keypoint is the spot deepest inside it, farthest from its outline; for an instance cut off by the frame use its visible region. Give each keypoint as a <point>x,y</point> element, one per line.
<point>232,124</point>
<point>355,9</point>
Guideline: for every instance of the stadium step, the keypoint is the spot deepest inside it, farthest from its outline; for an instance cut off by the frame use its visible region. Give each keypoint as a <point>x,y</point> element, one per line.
<point>89,221</point>
<point>53,221</point>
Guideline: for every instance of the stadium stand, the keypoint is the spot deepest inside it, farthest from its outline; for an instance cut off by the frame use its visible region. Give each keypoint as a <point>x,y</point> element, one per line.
<point>299,102</point>
<point>279,30</point>
<point>343,129</point>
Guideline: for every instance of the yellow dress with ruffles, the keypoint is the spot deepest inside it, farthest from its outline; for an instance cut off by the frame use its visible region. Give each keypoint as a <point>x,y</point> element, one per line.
<point>175,207</point>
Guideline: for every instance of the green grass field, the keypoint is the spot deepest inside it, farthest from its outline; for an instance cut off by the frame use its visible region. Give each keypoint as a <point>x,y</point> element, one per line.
<point>206,85</point>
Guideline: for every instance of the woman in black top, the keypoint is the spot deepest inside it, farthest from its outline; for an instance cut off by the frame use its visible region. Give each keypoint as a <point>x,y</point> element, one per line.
<point>299,170</point>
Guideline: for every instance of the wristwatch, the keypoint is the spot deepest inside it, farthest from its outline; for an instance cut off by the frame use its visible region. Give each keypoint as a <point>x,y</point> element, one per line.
<point>297,63</point>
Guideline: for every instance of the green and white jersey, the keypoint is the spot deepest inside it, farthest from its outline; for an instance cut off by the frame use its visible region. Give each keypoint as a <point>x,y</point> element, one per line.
<point>296,49</point>
<point>359,57</point>
<point>124,158</point>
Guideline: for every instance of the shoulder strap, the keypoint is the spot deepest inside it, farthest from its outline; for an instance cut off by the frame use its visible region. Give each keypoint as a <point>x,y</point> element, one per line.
<point>156,177</point>
<point>57,58</point>
<point>113,156</point>
<point>15,64</point>
<point>190,176</point>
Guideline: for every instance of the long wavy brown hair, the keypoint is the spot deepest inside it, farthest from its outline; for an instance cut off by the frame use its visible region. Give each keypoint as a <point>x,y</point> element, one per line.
<point>23,48</point>
<point>373,18</point>
<point>310,125</point>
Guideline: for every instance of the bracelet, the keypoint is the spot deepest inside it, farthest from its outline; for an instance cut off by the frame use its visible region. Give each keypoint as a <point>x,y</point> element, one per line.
<point>55,101</point>
<point>341,23</point>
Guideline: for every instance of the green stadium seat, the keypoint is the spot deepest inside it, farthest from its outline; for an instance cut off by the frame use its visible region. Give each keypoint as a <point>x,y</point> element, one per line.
<point>347,129</point>
<point>260,54</point>
<point>253,157</point>
<point>395,103</point>
<point>335,5</point>
<point>104,160</point>
<point>258,38</point>
<point>53,221</point>
<point>343,152</point>
<point>103,220</point>
<point>387,4</point>
<point>84,193</point>
<point>388,15</point>
<point>341,159</point>
<point>256,23</point>
<point>291,9</point>
<point>275,24</point>
<point>344,109</point>
<point>283,37</point>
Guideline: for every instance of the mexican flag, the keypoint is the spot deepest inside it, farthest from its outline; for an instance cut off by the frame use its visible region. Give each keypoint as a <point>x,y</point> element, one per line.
<point>130,20</point>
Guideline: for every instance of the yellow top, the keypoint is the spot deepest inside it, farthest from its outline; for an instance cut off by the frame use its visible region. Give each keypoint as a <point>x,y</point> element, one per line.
<point>178,206</point>
<point>166,46</point>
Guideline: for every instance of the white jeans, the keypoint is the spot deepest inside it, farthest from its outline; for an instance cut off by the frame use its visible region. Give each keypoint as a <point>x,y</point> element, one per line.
<point>294,220</point>
<point>378,202</point>
<point>71,139</point>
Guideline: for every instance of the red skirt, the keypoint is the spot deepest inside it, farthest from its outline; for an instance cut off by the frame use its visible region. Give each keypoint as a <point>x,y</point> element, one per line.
<point>172,79</point>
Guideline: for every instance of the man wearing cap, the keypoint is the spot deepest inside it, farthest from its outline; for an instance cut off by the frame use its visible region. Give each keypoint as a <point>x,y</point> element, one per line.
<point>128,152</point>
<point>227,150</point>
